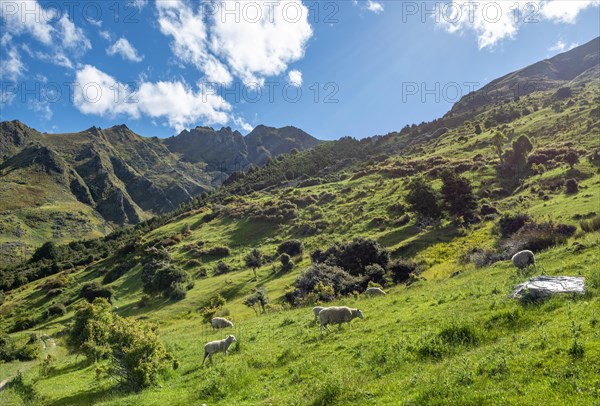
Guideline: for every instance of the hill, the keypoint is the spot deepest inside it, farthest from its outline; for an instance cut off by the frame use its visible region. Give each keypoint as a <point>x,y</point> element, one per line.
<point>447,331</point>
<point>82,185</point>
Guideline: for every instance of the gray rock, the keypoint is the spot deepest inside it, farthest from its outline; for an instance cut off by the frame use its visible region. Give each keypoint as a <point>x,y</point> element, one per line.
<point>541,287</point>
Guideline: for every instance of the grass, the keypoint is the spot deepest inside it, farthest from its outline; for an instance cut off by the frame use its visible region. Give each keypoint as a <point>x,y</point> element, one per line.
<point>454,338</point>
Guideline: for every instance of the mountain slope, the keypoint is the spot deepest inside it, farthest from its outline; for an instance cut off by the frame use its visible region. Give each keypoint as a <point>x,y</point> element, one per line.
<point>544,75</point>
<point>447,334</point>
<point>119,175</point>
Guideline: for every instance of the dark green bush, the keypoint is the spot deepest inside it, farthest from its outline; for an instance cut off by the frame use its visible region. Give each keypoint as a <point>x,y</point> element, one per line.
<point>510,223</point>
<point>571,186</point>
<point>92,290</point>
<point>222,268</point>
<point>538,236</point>
<point>354,256</point>
<point>401,270</point>
<point>57,309</point>
<point>291,247</point>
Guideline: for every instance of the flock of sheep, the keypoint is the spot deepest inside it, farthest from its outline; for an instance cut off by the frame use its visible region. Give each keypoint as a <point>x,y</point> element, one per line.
<point>335,314</point>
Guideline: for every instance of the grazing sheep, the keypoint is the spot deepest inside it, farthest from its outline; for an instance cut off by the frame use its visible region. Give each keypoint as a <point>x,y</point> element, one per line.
<point>523,259</point>
<point>317,310</point>
<point>338,315</point>
<point>220,322</point>
<point>217,346</point>
<point>373,291</point>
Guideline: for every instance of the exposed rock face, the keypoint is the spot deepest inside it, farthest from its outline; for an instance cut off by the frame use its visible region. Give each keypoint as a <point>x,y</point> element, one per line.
<point>541,287</point>
<point>126,177</point>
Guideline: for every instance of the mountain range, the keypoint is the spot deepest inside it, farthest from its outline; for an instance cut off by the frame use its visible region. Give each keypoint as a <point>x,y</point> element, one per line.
<point>90,181</point>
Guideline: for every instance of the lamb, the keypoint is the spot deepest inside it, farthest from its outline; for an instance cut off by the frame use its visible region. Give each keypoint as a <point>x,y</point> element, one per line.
<point>523,259</point>
<point>339,315</point>
<point>373,291</point>
<point>217,346</point>
<point>220,322</point>
<point>317,310</point>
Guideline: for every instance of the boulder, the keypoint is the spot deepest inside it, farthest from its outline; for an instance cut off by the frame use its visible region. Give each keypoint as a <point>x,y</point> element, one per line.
<point>541,287</point>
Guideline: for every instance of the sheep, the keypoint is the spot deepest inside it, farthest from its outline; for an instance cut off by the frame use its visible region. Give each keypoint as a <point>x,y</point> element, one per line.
<point>317,310</point>
<point>339,315</point>
<point>523,259</point>
<point>373,291</point>
<point>220,322</point>
<point>217,346</point>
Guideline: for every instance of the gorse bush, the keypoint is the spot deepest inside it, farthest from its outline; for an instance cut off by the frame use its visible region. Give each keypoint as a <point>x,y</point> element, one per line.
<point>354,256</point>
<point>222,268</point>
<point>538,236</point>
<point>510,223</point>
<point>137,357</point>
<point>291,247</point>
<point>164,278</point>
<point>92,290</point>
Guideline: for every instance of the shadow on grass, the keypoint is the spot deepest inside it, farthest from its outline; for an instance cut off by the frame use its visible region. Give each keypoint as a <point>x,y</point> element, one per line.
<point>425,240</point>
<point>87,398</point>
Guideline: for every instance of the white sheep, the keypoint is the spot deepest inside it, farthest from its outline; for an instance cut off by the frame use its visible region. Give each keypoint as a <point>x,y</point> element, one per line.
<point>317,310</point>
<point>373,291</point>
<point>220,322</point>
<point>523,259</point>
<point>338,315</point>
<point>217,346</point>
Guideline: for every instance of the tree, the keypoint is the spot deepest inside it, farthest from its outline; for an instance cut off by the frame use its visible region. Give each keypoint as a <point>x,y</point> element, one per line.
<point>571,158</point>
<point>254,260</point>
<point>498,141</point>
<point>458,195</point>
<point>477,129</point>
<point>47,251</point>
<point>286,263</point>
<point>257,299</point>
<point>423,199</point>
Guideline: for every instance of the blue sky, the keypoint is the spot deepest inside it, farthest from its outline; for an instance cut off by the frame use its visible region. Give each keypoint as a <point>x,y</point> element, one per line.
<point>331,68</point>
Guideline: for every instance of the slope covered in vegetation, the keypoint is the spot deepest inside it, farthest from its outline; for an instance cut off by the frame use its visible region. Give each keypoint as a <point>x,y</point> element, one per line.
<point>432,213</point>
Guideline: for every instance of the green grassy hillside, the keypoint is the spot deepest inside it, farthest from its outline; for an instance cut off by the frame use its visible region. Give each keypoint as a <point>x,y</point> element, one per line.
<point>449,334</point>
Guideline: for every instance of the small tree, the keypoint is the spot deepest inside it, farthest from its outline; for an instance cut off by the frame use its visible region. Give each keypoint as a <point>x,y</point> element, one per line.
<point>422,199</point>
<point>477,129</point>
<point>571,186</point>
<point>498,141</point>
<point>286,263</point>
<point>91,328</point>
<point>254,260</point>
<point>257,300</point>
<point>571,158</point>
<point>458,195</point>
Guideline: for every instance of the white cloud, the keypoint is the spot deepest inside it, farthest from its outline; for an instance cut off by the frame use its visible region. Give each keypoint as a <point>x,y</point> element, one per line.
<point>295,78</point>
<point>177,103</point>
<point>255,48</point>
<point>139,4</point>
<point>72,37</point>
<point>106,35</point>
<point>189,32</point>
<point>561,46</point>
<point>28,16</point>
<point>11,67</point>
<point>494,21</point>
<point>565,11</point>
<point>374,6</point>
<point>125,49</point>
<point>260,41</point>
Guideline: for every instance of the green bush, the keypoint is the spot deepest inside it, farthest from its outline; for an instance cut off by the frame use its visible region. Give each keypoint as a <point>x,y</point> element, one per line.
<point>510,223</point>
<point>138,356</point>
<point>291,247</point>
<point>91,328</point>
<point>222,268</point>
<point>57,309</point>
<point>92,290</point>
<point>590,225</point>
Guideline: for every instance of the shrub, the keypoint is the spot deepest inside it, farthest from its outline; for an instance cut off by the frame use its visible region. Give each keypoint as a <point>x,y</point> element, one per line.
<point>138,357</point>
<point>193,263</point>
<point>92,290</point>
<point>257,300</point>
<point>163,278</point>
<point>286,263</point>
<point>47,251</point>
<point>222,268</point>
<point>57,309</point>
<point>341,281</point>
<point>458,195</point>
<point>591,225</point>
<point>538,236</point>
<point>10,352</point>
<point>511,223</point>
<point>375,273</point>
<point>401,270</point>
<point>217,251</point>
<point>24,323</point>
<point>571,186</point>
<point>291,247</point>
<point>91,328</point>
<point>354,256</point>
<point>422,199</point>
